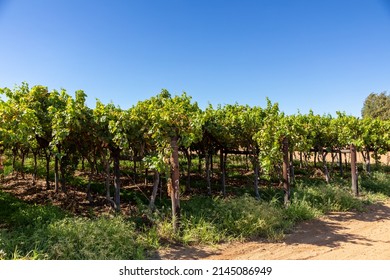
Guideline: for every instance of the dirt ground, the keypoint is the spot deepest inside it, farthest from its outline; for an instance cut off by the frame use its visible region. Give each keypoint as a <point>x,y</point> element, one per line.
<point>74,201</point>
<point>337,236</point>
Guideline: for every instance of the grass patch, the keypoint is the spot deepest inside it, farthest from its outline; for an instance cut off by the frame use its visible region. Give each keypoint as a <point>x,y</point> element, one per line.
<point>15,213</point>
<point>327,197</point>
<point>211,220</point>
<point>46,232</point>
<point>101,239</point>
<point>376,183</point>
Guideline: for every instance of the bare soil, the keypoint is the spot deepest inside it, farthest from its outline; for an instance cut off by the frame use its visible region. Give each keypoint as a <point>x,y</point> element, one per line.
<point>74,200</point>
<point>336,236</point>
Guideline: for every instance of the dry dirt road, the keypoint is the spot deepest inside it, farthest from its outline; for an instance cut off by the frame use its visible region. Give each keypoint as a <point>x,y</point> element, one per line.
<point>337,236</point>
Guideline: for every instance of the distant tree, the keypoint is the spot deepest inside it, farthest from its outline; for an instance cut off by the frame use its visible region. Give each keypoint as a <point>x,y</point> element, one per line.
<point>377,106</point>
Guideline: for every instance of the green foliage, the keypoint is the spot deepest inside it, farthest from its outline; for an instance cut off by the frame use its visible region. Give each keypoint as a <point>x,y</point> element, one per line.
<point>18,119</point>
<point>199,229</point>
<point>21,225</point>
<point>269,137</point>
<point>326,197</point>
<point>16,213</point>
<point>44,232</point>
<point>207,220</point>
<point>164,117</point>
<point>377,182</point>
<point>347,129</point>
<point>377,106</point>
<point>301,209</point>
<point>102,238</point>
<point>245,217</point>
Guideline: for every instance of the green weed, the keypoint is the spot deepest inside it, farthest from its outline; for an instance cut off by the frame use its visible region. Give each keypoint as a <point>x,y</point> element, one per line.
<point>46,232</point>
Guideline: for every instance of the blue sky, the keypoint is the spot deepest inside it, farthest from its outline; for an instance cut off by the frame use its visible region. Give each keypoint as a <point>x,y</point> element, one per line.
<point>304,54</point>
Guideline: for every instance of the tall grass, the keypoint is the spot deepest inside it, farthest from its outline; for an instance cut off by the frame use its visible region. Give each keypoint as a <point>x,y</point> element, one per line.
<point>232,218</point>
<point>46,232</point>
<point>376,183</point>
<point>102,238</point>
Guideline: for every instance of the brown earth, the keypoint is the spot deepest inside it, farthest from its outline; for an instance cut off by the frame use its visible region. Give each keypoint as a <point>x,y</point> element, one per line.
<point>74,200</point>
<point>337,236</point>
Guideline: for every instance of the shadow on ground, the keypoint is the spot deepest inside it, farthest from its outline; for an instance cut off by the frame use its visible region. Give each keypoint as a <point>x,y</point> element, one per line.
<point>330,230</point>
<point>307,239</point>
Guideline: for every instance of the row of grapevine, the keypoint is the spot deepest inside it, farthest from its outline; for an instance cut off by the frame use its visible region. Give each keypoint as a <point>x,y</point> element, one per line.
<point>56,126</point>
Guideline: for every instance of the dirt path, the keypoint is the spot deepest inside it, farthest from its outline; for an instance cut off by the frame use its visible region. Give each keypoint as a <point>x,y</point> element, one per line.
<point>338,236</point>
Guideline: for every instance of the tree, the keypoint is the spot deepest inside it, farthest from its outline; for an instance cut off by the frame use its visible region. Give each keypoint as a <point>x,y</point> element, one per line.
<point>112,133</point>
<point>221,130</point>
<point>17,124</point>
<point>251,120</point>
<point>349,134</point>
<point>377,106</point>
<point>71,132</point>
<point>176,121</point>
<point>269,138</point>
<point>273,142</point>
<point>39,99</point>
<point>60,131</point>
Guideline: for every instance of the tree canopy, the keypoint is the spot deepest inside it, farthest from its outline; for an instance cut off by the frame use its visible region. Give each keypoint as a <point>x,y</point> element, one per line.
<point>377,105</point>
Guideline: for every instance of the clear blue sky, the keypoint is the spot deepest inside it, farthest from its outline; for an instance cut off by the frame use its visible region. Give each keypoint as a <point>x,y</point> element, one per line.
<point>325,55</point>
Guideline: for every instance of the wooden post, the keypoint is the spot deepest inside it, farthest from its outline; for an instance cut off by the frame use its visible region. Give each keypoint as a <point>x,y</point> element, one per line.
<point>56,174</point>
<point>300,160</point>
<point>35,167</point>
<point>175,190</point>
<point>256,175</point>
<point>146,176</point>
<point>156,182</point>
<point>47,156</point>
<point>222,167</point>
<point>292,173</point>
<point>368,162</point>
<point>211,164</point>
<point>208,172</point>
<point>200,161</point>
<point>135,169</point>
<point>341,163</point>
<point>2,167</point>
<point>106,160</point>
<point>188,156</point>
<point>286,185</point>
<point>354,174</point>
<point>115,152</point>
<point>326,171</point>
